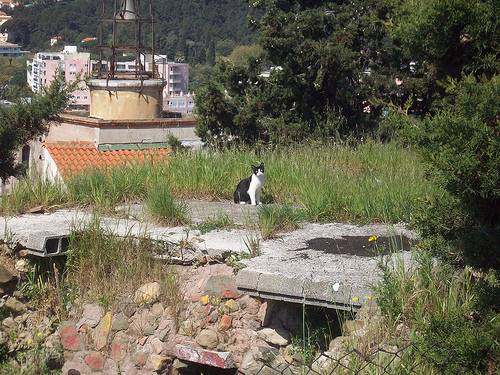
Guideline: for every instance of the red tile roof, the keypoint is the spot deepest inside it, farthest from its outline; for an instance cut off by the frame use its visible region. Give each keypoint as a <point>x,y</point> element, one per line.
<point>75,157</point>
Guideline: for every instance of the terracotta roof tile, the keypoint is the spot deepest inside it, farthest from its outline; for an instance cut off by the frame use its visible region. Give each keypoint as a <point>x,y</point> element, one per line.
<point>75,157</point>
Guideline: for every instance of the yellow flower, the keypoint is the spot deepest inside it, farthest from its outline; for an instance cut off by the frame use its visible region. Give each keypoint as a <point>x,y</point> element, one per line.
<point>355,299</point>
<point>39,333</point>
<point>29,342</point>
<point>372,238</point>
<point>368,297</point>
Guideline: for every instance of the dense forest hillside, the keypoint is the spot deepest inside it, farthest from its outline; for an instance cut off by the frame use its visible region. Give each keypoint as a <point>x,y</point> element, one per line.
<point>187,30</point>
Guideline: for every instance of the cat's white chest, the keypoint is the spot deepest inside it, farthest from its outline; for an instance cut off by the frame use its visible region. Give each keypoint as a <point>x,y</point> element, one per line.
<point>255,186</point>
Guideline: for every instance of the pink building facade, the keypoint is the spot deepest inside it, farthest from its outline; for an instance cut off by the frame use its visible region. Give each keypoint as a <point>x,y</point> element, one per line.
<point>70,63</point>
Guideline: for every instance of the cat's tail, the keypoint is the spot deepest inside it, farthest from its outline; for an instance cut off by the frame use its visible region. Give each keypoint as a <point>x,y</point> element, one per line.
<point>237,197</point>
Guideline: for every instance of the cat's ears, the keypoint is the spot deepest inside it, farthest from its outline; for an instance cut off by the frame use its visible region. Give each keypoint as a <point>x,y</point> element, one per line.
<point>254,168</point>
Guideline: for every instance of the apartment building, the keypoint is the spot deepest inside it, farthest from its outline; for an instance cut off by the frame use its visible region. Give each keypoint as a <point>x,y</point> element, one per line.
<point>4,18</point>
<point>176,96</point>
<point>70,63</point>
<point>11,50</point>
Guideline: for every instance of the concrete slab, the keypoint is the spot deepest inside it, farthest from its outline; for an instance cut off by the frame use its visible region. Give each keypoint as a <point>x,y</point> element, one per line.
<point>331,265</point>
<point>294,268</point>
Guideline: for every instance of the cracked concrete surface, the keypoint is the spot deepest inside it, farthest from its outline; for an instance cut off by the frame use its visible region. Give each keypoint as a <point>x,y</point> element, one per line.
<point>333,265</point>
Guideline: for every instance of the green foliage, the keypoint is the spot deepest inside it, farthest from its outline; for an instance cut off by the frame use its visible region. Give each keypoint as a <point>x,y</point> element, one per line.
<point>444,310</point>
<point>460,147</point>
<point>219,220</point>
<point>453,36</point>
<point>105,267</point>
<point>23,122</point>
<point>187,30</point>
<point>326,72</point>
<point>161,205</point>
<point>275,219</point>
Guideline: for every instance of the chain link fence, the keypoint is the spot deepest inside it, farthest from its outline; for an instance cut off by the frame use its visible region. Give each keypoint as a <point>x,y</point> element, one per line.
<point>409,359</point>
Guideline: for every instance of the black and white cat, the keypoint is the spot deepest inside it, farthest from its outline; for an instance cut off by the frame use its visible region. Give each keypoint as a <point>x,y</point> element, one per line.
<point>248,190</point>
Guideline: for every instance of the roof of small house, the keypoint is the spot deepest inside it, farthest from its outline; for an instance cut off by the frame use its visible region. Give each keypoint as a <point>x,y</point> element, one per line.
<point>75,157</point>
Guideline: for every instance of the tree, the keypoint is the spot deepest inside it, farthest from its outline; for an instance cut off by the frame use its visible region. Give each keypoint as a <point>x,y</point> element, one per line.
<point>461,147</point>
<point>329,62</point>
<point>447,39</point>
<point>22,122</point>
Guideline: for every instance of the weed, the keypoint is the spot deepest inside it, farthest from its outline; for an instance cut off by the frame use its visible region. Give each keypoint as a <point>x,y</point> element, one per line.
<point>35,287</point>
<point>219,220</point>
<point>104,266</point>
<point>162,207</point>
<point>29,193</point>
<point>252,243</point>
<point>275,219</point>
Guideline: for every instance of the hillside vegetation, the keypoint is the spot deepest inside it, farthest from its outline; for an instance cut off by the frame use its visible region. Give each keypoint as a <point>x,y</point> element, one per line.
<point>184,29</point>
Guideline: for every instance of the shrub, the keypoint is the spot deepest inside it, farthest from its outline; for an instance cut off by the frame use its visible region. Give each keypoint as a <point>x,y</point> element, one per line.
<point>460,145</point>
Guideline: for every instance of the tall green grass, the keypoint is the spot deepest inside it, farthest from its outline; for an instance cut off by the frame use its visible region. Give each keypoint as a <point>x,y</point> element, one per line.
<point>31,193</point>
<point>370,182</point>
<point>336,182</point>
<point>105,267</point>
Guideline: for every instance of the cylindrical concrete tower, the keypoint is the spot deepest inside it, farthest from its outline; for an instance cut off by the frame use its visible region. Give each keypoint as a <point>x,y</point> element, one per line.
<point>123,99</point>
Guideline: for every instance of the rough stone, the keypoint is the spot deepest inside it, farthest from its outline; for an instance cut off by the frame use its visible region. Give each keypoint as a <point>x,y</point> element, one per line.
<point>6,276</point>
<point>259,355</point>
<point>164,323</point>
<point>4,338</point>
<point>139,357</point>
<point>265,312</point>
<point>274,336</point>
<point>147,293</point>
<point>69,336</point>
<point>251,305</point>
<point>196,297</point>
<point>231,306</point>
<point>351,326</point>
<point>180,364</point>
<point>21,265</point>
<point>9,323</point>
<point>205,357</point>
<point>213,317</point>
<point>101,332</point>
<point>225,323</point>
<point>207,339</point>
<point>337,344</point>
<point>159,362</point>
<point>163,333</point>
<point>91,315</point>
<point>157,345</point>
<point>222,286</point>
<point>95,361</point>
<point>118,351</point>
<point>157,309</point>
<point>14,304</point>
<point>120,322</point>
